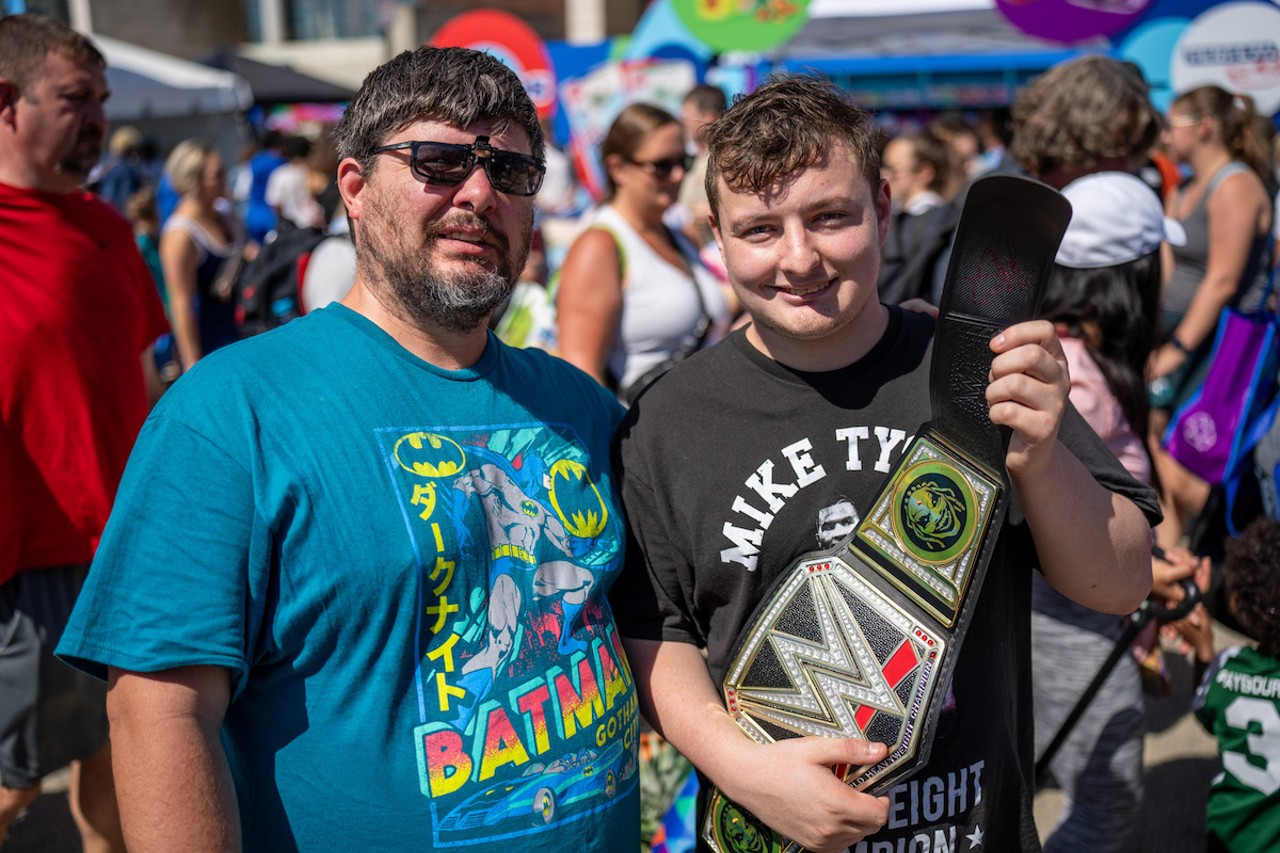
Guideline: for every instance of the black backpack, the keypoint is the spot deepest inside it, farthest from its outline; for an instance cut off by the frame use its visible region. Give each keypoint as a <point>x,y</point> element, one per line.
<point>268,292</point>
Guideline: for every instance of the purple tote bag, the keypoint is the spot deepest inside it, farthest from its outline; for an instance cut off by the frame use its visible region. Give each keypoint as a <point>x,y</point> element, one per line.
<point>1205,434</point>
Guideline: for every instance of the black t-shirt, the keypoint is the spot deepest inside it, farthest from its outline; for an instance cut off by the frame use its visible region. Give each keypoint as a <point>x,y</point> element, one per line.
<point>737,465</point>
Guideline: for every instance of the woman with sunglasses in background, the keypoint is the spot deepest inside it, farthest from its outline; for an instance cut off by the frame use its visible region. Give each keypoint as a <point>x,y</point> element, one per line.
<point>632,297</point>
<point>1225,210</point>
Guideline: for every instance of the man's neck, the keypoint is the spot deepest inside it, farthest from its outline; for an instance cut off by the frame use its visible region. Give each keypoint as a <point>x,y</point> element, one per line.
<point>23,176</point>
<point>444,348</point>
<point>833,352</point>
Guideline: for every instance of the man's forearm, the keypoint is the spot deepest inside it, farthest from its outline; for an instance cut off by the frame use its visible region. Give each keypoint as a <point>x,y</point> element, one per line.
<point>788,784</point>
<point>171,773</point>
<point>680,701</point>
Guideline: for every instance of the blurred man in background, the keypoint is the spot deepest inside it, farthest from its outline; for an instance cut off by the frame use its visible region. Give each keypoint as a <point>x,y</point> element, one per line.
<point>78,314</point>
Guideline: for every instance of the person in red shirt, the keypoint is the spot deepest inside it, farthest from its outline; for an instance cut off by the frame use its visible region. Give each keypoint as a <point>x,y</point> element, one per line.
<point>78,315</point>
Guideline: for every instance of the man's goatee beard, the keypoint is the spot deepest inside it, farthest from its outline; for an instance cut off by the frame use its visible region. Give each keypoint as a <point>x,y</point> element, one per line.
<point>459,305</point>
<point>457,295</point>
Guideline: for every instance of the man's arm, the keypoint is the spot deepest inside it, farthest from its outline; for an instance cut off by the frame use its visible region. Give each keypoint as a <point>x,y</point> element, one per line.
<point>1094,545</point>
<point>788,784</point>
<point>172,777</point>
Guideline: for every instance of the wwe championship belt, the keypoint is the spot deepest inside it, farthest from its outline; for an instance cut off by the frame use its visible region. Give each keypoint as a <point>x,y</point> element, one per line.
<point>860,641</point>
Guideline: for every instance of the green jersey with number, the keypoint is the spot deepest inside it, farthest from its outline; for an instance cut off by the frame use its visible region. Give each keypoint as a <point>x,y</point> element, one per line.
<point>1239,704</point>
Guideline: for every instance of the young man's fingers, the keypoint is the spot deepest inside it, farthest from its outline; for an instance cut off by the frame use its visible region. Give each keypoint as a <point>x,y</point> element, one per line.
<point>852,751</point>
<point>1038,332</point>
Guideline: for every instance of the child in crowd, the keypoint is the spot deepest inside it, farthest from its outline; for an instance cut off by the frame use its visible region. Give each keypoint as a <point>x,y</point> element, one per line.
<point>1239,698</point>
<point>143,214</point>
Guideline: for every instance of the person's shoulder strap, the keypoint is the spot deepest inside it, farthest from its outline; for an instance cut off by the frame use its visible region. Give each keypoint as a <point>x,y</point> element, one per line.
<point>618,244</point>
<point>182,222</point>
<point>1232,168</point>
<point>193,230</point>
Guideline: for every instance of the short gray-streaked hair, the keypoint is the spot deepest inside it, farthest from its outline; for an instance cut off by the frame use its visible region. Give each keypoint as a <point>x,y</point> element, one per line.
<point>453,85</point>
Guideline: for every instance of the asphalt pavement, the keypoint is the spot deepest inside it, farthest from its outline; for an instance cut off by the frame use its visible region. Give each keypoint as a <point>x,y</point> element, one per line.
<point>1180,758</point>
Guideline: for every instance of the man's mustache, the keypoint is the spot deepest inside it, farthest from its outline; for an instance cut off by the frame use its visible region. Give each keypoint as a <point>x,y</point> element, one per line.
<point>470,222</point>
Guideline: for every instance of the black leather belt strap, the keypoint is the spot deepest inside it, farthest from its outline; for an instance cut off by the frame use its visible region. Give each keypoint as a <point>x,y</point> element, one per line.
<point>860,641</point>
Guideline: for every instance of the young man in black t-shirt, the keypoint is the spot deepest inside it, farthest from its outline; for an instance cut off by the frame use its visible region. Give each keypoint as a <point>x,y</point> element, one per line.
<point>730,464</point>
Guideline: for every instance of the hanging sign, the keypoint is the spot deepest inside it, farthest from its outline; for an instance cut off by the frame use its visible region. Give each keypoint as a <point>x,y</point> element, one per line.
<point>742,25</point>
<point>1070,21</point>
<point>511,41</point>
<point>1235,46</point>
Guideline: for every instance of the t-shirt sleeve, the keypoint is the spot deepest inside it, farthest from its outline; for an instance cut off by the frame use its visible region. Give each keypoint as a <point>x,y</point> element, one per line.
<point>330,273</point>
<point>1206,711</point>
<point>276,191</point>
<point>1079,438</point>
<point>650,600</point>
<point>178,579</point>
<point>152,322</point>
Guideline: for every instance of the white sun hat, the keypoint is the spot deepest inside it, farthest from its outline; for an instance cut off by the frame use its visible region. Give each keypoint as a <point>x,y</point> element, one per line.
<point>1115,219</point>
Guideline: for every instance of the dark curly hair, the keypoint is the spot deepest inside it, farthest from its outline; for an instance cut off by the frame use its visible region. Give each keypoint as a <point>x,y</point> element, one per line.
<point>781,128</point>
<point>1250,578</point>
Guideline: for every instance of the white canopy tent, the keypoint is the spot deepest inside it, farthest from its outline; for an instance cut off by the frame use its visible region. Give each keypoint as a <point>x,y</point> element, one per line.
<point>149,84</point>
<point>171,99</point>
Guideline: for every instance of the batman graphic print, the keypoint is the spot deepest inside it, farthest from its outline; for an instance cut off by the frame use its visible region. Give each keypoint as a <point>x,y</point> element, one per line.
<point>404,572</point>
<point>527,712</point>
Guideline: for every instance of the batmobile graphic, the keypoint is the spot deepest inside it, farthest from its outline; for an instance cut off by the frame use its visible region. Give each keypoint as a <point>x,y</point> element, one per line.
<point>542,792</point>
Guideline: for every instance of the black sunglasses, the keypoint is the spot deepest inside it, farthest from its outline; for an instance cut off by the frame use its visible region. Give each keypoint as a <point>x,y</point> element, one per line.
<point>446,164</point>
<point>662,169</point>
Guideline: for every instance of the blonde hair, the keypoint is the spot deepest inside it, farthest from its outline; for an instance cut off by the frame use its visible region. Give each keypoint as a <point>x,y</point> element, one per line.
<point>629,130</point>
<point>185,165</point>
<point>125,140</point>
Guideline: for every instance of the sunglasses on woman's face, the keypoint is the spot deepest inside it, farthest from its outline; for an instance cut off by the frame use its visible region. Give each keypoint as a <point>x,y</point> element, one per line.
<point>662,169</point>
<point>446,164</point>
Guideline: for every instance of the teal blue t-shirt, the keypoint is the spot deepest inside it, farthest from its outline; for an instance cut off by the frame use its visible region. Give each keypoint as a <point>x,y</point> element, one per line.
<point>405,570</point>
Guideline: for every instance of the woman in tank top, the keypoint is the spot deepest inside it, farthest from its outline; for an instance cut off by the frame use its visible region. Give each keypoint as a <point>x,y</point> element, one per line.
<point>197,241</point>
<point>1226,212</point>
<point>632,294</point>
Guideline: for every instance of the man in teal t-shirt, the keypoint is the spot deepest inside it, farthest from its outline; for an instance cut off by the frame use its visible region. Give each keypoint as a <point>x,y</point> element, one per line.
<point>353,593</point>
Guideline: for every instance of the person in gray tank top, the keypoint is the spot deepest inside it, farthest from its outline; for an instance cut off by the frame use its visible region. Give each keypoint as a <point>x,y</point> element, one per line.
<point>1226,213</point>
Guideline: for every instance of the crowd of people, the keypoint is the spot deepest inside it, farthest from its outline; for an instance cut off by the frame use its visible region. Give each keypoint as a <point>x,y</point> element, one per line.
<point>421,565</point>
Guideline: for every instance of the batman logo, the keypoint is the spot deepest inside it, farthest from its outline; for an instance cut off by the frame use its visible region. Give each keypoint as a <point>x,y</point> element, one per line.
<point>576,499</point>
<point>429,455</point>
